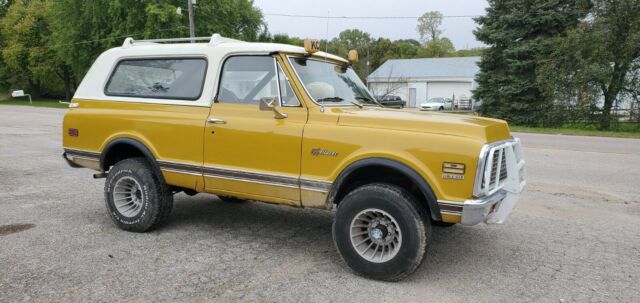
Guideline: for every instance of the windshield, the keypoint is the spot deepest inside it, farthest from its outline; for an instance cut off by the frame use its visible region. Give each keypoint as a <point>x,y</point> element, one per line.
<point>330,83</point>
<point>436,100</point>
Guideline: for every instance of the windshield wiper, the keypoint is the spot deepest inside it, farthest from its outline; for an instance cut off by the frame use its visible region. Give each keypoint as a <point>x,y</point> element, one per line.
<point>371,101</point>
<point>330,99</point>
<point>357,104</point>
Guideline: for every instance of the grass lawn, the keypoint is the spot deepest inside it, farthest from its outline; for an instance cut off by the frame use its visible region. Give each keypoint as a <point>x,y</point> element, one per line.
<point>576,132</point>
<point>36,103</point>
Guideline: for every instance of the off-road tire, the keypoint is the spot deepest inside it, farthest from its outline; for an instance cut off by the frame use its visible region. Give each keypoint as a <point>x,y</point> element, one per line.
<point>156,197</point>
<point>231,200</point>
<point>412,220</point>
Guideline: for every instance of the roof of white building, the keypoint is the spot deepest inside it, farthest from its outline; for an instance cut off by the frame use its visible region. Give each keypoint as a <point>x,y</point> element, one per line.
<point>454,67</point>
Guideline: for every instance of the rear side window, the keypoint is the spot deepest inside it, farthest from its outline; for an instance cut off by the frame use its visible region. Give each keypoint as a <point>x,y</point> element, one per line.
<point>180,79</point>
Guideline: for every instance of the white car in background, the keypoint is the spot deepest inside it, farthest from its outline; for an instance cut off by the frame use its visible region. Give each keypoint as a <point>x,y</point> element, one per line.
<point>437,104</point>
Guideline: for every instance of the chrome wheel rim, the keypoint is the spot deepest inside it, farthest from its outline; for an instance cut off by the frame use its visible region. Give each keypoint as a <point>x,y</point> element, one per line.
<point>128,197</point>
<point>375,235</point>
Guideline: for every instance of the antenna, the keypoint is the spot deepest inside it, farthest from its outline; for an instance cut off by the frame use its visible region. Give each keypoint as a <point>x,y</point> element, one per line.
<point>326,43</point>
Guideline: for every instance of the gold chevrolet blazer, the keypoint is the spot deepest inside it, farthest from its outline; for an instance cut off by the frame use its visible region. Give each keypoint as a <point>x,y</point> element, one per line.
<point>286,125</point>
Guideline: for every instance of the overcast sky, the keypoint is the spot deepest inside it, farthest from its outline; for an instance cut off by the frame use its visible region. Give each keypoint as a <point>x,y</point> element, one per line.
<point>459,30</point>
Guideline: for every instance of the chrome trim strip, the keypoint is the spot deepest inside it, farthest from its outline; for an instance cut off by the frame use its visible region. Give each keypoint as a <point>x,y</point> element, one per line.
<point>451,203</point>
<point>320,190</point>
<point>315,185</point>
<point>180,166</point>
<point>452,213</point>
<point>246,175</point>
<point>82,153</point>
<point>450,207</point>
<point>252,181</point>
<point>180,171</point>
<point>74,157</point>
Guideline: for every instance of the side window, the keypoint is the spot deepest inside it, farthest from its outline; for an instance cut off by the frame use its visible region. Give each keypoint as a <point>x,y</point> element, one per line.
<point>247,79</point>
<point>158,78</point>
<point>286,91</point>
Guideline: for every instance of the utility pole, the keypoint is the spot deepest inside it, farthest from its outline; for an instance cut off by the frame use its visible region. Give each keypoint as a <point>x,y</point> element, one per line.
<point>192,29</point>
<point>368,59</point>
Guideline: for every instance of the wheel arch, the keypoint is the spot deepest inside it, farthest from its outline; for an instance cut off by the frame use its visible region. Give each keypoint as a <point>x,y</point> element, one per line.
<point>347,180</point>
<point>123,148</point>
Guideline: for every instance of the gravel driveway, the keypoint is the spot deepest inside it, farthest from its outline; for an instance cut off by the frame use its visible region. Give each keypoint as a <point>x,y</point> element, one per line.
<point>575,236</point>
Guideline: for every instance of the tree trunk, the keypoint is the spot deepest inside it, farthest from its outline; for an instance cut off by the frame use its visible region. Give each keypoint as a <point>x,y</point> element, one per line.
<point>67,83</point>
<point>34,89</point>
<point>611,93</point>
<point>605,121</point>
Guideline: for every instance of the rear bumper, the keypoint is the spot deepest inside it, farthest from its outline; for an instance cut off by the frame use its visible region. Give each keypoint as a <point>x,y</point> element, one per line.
<point>80,158</point>
<point>69,161</point>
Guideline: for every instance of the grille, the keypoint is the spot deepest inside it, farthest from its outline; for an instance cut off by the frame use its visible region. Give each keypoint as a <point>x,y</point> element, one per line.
<point>493,174</point>
<point>499,160</point>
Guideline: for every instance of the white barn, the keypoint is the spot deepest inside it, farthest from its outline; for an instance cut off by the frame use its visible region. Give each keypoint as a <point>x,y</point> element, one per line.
<point>418,80</point>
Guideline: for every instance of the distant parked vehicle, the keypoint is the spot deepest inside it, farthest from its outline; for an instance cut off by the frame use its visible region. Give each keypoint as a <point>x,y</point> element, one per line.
<point>437,104</point>
<point>391,101</point>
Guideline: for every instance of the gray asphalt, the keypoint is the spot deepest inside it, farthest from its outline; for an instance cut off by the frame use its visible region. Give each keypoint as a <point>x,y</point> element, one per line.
<point>574,236</point>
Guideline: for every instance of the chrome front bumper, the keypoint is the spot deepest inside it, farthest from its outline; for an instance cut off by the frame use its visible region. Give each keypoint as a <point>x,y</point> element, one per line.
<point>493,209</point>
<point>499,196</point>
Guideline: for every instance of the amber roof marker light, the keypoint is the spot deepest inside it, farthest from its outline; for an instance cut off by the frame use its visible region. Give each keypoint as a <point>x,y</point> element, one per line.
<point>311,45</point>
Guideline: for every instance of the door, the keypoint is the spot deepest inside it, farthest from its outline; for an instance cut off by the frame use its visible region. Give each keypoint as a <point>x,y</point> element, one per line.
<point>412,97</point>
<point>250,153</point>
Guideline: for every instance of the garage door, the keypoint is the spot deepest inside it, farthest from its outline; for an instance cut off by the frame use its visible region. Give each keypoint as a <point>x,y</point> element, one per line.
<point>448,89</point>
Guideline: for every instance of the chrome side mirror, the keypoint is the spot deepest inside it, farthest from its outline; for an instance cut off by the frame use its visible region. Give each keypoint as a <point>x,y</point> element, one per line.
<point>269,104</point>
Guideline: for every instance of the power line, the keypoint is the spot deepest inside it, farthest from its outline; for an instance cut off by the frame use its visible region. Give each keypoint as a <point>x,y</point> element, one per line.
<point>362,17</point>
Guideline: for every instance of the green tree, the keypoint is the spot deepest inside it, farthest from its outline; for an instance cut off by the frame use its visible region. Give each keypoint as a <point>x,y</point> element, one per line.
<point>238,19</point>
<point>440,47</point>
<point>472,52</point>
<point>28,53</point>
<point>429,26</point>
<point>519,34</point>
<point>354,38</point>
<point>99,25</point>
<point>4,84</point>
<point>598,59</point>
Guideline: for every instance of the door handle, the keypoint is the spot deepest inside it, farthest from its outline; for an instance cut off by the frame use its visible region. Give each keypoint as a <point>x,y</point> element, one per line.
<point>216,121</point>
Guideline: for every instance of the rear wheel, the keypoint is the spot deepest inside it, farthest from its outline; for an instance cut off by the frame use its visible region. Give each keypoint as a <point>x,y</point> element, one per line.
<point>381,232</point>
<point>441,108</point>
<point>136,199</point>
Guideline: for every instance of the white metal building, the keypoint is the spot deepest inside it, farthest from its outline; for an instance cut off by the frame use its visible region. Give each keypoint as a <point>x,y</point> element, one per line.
<point>418,80</point>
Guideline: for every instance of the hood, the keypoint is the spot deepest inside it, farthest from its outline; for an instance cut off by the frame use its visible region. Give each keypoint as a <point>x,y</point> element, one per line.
<point>484,129</point>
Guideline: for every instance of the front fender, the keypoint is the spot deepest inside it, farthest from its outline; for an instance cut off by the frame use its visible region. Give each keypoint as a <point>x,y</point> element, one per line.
<point>422,184</point>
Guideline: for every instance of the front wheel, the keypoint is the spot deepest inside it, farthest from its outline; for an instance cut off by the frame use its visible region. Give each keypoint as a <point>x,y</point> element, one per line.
<point>136,199</point>
<point>381,232</point>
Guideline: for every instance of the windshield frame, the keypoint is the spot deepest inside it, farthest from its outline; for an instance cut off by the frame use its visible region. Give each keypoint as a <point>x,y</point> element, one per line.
<point>370,95</point>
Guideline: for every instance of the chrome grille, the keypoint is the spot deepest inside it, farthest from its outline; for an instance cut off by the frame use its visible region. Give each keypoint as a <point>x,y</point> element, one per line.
<point>500,174</point>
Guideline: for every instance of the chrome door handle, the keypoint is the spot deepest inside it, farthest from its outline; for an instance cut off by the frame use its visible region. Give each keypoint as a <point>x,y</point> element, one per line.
<point>216,121</point>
